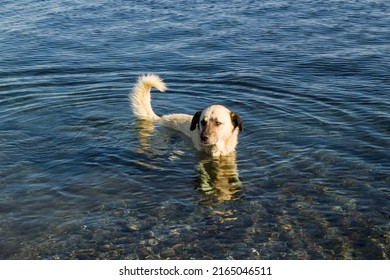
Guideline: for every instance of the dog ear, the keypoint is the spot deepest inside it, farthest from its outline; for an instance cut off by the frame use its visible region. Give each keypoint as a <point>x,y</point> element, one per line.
<point>195,120</point>
<point>236,120</point>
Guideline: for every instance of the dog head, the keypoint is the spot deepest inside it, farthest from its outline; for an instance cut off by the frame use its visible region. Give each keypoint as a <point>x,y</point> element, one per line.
<point>216,125</point>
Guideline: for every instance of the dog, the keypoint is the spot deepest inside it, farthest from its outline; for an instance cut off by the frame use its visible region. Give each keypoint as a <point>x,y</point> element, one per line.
<point>213,130</point>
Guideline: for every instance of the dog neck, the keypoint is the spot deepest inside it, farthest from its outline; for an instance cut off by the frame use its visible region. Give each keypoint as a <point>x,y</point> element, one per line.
<point>224,147</point>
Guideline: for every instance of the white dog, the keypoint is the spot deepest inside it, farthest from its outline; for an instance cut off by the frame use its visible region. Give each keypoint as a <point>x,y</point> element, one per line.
<point>213,130</point>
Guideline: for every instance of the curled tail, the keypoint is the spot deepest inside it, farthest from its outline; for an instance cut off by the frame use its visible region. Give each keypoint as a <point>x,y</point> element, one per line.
<point>140,96</point>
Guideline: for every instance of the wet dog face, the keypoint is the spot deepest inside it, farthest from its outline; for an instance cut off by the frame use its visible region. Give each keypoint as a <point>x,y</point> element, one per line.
<point>216,124</point>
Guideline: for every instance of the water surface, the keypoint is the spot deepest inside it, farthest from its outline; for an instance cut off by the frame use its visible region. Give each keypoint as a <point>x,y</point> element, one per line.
<point>82,178</point>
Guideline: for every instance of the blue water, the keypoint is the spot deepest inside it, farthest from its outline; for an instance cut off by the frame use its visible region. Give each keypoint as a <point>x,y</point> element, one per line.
<point>81,178</point>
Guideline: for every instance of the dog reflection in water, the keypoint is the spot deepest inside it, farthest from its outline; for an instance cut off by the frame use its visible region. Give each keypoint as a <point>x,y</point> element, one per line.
<point>218,177</point>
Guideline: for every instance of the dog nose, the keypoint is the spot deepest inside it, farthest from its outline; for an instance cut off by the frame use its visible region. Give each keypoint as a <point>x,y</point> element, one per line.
<point>204,138</point>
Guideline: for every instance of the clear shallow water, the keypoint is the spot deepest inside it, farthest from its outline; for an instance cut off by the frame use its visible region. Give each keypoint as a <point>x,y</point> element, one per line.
<point>81,178</point>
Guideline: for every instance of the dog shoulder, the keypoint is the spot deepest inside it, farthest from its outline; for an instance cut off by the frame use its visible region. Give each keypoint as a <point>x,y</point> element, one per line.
<point>180,122</point>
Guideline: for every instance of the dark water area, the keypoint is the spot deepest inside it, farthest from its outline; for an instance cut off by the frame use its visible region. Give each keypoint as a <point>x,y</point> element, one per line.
<point>82,178</point>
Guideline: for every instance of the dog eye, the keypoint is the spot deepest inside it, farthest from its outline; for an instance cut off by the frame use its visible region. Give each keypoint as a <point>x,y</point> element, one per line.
<point>218,123</point>
<point>203,122</point>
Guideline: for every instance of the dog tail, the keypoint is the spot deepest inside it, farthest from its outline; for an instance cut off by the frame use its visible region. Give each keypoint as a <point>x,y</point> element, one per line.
<point>140,98</point>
